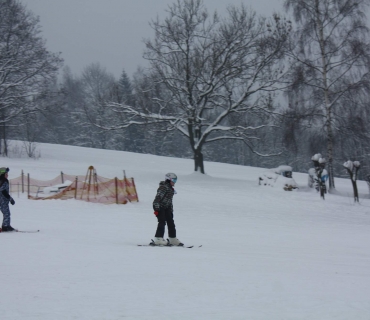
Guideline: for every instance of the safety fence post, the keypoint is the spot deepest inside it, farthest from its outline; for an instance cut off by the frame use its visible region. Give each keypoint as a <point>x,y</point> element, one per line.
<point>28,185</point>
<point>116,183</point>
<point>76,187</point>
<point>22,175</point>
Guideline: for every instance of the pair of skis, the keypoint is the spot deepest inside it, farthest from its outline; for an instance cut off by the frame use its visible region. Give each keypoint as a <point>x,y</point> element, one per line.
<point>152,244</point>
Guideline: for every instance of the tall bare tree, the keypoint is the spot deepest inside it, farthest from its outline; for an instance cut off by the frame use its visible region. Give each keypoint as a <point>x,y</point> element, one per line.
<point>211,73</point>
<point>25,64</point>
<point>97,85</point>
<point>329,49</point>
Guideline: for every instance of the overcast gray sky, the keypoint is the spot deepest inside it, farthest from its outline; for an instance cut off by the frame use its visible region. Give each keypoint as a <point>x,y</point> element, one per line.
<point>111,32</point>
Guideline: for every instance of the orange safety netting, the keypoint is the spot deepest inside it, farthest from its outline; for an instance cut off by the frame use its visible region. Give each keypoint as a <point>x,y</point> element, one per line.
<point>91,188</point>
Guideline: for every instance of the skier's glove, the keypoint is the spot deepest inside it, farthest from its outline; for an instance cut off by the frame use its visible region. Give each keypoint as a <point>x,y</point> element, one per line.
<point>12,201</point>
<point>156,213</point>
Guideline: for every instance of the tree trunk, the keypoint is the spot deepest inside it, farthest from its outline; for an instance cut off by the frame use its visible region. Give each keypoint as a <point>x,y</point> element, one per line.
<point>355,190</point>
<point>198,161</point>
<point>354,184</point>
<point>330,157</point>
<point>326,96</point>
<point>5,148</point>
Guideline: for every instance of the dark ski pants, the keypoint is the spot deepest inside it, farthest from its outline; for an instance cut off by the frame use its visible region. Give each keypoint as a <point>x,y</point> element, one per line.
<point>4,207</point>
<point>165,215</point>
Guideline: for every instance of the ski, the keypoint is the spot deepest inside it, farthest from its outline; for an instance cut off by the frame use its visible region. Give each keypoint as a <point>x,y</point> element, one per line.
<point>170,246</point>
<point>27,231</point>
<point>152,244</point>
<point>21,231</point>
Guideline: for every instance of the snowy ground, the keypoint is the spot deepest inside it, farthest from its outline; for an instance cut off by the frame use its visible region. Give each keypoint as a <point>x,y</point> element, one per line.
<point>267,253</point>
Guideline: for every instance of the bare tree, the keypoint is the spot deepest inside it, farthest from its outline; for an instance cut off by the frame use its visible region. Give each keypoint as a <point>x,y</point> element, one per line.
<point>329,51</point>
<point>25,64</point>
<point>97,86</point>
<point>209,75</point>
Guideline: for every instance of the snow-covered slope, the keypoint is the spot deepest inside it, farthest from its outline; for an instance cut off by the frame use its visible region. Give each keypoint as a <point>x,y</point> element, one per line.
<point>267,253</point>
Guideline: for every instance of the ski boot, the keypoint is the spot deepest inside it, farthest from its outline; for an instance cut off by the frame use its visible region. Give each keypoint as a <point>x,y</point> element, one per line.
<point>7,229</point>
<point>159,242</point>
<point>175,242</point>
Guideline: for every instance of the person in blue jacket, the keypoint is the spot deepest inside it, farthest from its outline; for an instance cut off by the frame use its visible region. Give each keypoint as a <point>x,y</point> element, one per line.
<point>5,198</point>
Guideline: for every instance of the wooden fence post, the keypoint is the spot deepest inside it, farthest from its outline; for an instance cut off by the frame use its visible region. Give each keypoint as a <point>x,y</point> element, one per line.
<point>116,182</point>
<point>76,188</point>
<point>28,185</point>
<point>137,196</point>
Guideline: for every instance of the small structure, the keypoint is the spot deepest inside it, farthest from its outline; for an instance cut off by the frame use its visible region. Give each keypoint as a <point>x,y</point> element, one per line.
<point>281,176</point>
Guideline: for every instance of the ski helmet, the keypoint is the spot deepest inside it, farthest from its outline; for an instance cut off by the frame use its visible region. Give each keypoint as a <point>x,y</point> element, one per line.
<point>4,170</point>
<point>171,176</point>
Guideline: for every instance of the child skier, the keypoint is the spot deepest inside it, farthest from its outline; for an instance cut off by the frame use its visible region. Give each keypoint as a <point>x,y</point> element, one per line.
<point>5,198</point>
<point>163,209</point>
